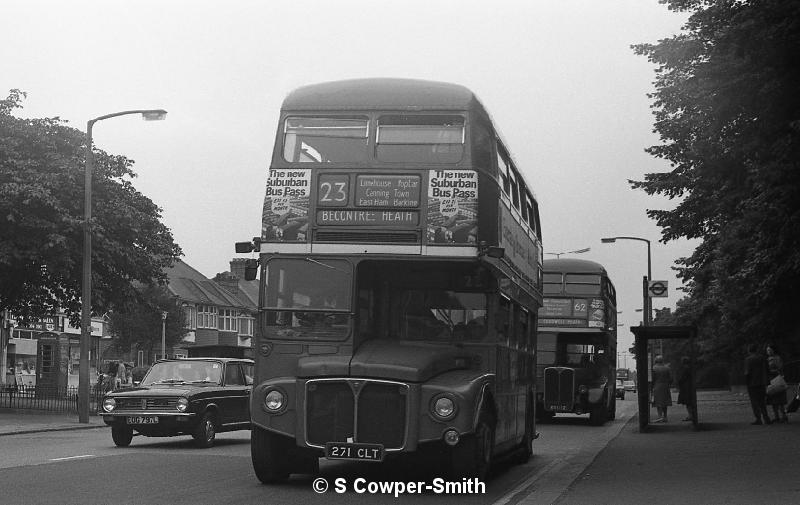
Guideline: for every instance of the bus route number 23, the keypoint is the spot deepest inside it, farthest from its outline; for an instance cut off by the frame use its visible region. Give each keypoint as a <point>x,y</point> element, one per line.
<point>332,191</point>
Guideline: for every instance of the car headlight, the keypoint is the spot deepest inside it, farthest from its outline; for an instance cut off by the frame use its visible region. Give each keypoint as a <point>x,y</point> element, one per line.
<point>109,404</point>
<point>274,400</point>
<point>182,404</point>
<point>444,407</point>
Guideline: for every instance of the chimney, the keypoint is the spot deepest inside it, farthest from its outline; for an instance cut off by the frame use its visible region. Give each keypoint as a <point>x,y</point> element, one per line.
<point>228,281</point>
<point>237,267</point>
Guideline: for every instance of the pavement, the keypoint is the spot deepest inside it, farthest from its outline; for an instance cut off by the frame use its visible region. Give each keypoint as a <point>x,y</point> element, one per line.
<point>22,421</point>
<point>725,460</point>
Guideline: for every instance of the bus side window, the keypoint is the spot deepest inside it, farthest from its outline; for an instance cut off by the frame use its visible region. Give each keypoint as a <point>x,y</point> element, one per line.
<point>514,187</point>
<point>502,168</point>
<point>523,196</point>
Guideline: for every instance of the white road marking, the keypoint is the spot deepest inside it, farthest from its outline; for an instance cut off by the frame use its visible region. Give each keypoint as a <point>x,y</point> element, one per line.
<point>73,457</point>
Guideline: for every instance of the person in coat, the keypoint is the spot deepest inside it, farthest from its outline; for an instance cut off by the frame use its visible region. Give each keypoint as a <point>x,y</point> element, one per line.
<point>685,388</point>
<point>777,400</point>
<point>755,373</point>
<point>662,379</point>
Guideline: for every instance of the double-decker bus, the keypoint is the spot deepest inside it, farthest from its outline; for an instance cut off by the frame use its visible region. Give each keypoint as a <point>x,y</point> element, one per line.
<point>400,263</point>
<point>577,341</point>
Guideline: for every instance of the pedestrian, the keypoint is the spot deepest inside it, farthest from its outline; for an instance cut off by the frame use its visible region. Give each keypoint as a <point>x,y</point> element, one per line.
<point>774,369</point>
<point>755,373</point>
<point>662,379</point>
<point>685,388</point>
<point>122,376</point>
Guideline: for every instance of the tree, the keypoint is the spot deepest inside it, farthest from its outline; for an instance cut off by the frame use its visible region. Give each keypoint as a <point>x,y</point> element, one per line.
<point>41,222</point>
<point>727,110</point>
<point>136,325</point>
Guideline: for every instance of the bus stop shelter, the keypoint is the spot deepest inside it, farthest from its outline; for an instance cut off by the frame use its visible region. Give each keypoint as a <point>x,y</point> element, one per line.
<point>644,334</point>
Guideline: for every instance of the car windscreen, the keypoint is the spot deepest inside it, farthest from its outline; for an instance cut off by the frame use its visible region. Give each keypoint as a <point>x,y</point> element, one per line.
<point>183,372</point>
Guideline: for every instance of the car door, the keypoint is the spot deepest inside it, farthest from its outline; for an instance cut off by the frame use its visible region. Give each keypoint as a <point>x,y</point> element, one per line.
<point>236,395</point>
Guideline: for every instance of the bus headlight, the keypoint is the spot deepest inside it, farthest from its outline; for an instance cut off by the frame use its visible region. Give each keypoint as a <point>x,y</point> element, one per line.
<point>182,404</point>
<point>274,400</point>
<point>109,404</point>
<point>444,407</point>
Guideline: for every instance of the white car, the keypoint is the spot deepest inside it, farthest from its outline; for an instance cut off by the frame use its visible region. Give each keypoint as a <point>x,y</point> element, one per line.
<point>629,386</point>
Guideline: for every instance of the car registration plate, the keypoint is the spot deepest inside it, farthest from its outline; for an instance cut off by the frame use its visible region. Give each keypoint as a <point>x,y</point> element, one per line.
<point>359,452</point>
<point>141,420</point>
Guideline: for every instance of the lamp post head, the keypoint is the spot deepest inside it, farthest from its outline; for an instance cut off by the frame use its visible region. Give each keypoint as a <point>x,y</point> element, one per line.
<point>608,240</point>
<point>154,115</point>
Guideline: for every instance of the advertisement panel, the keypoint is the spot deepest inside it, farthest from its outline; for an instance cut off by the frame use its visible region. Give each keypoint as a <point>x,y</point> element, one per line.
<point>285,215</point>
<point>452,207</point>
<point>519,248</point>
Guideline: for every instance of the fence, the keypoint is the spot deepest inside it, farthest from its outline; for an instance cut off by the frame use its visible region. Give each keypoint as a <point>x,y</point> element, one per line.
<point>47,398</point>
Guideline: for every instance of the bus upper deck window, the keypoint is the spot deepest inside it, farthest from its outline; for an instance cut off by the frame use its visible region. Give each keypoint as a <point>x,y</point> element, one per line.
<point>420,139</point>
<point>583,284</point>
<point>325,140</point>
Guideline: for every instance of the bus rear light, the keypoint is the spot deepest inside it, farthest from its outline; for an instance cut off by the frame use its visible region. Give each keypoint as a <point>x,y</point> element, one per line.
<point>451,437</point>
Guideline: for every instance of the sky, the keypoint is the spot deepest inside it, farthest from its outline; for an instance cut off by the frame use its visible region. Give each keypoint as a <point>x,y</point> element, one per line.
<point>559,79</point>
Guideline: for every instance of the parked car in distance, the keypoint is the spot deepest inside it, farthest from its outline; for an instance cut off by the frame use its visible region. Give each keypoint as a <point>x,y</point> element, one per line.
<point>629,386</point>
<point>188,396</point>
<point>620,390</point>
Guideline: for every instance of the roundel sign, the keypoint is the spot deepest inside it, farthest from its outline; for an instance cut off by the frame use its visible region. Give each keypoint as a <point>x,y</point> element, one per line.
<point>657,289</point>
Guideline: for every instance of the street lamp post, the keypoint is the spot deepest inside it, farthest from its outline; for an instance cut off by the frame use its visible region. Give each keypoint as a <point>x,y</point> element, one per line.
<point>647,316</point>
<point>86,288</point>
<point>577,251</point>
<point>164,335</point>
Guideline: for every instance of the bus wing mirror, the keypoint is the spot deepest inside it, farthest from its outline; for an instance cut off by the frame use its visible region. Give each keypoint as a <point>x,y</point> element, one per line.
<point>245,247</point>
<point>250,270</point>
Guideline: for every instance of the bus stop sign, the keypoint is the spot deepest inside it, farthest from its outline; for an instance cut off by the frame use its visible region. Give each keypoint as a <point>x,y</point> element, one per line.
<point>657,289</point>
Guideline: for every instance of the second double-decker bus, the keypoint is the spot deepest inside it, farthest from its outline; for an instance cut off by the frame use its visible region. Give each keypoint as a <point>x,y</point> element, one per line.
<point>400,263</point>
<point>577,341</point>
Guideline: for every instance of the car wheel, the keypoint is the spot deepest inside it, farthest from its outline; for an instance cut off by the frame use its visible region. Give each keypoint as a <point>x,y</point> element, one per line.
<point>269,454</point>
<point>122,435</point>
<point>205,433</point>
<point>472,457</point>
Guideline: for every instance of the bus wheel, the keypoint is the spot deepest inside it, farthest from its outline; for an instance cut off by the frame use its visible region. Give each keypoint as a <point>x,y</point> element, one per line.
<point>268,452</point>
<point>544,416</point>
<point>597,414</point>
<point>121,435</point>
<point>473,456</point>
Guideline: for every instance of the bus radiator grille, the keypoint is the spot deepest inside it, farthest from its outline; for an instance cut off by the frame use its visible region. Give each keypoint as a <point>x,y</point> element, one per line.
<point>559,389</point>
<point>379,407</point>
<point>382,414</point>
<point>330,412</point>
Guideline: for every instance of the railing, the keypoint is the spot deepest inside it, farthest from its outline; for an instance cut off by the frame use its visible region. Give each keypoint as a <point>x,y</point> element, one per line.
<point>47,398</point>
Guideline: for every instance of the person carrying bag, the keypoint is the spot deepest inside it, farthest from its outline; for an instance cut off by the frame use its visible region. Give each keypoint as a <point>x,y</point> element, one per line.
<point>776,389</point>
